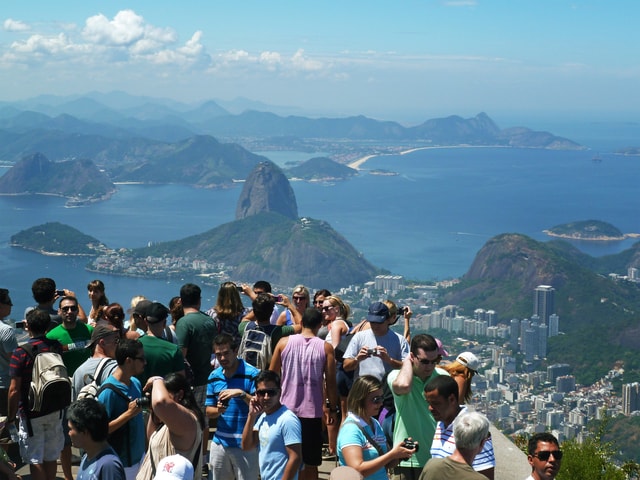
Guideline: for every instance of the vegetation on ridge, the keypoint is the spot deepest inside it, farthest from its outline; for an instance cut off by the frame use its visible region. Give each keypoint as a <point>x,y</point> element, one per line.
<point>593,309</point>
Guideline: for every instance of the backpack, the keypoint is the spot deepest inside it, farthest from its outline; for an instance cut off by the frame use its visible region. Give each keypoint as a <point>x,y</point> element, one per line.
<point>50,389</point>
<point>255,346</point>
<point>346,338</point>
<point>91,389</point>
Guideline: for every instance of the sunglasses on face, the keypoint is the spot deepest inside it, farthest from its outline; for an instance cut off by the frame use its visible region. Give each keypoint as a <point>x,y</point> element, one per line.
<point>544,456</point>
<point>426,361</point>
<point>266,391</point>
<point>69,309</point>
<point>377,399</point>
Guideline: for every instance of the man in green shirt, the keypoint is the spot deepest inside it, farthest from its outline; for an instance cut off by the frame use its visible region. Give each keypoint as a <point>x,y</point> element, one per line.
<point>74,336</point>
<point>162,356</point>
<point>412,418</point>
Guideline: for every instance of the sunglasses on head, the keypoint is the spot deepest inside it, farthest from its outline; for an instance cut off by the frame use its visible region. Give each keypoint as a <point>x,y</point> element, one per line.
<point>544,456</point>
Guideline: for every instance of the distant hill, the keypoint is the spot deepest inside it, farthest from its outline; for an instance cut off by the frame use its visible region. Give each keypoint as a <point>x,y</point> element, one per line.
<point>594,310</point>
<point>55,238</point>
<point>79,180</point>
<point>586,230</point>
<point>269,245</point>
<point>267,190</point>
<point>200,160</point>
<point>321,168</point>
<point>268,240</point>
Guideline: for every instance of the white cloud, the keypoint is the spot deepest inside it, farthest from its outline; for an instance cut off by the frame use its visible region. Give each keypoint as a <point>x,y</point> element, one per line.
<point>301,62</point>
<point>126,28</point>
<point>11,25</point>
<point>42,44</point>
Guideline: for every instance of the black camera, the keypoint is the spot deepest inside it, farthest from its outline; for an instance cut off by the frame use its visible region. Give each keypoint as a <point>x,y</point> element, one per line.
<point>143,402</point>
<point>402,311</point>
<point>410,444</point>
<point>372,352</point>
<point>225,402</point>
<point>60,293</point>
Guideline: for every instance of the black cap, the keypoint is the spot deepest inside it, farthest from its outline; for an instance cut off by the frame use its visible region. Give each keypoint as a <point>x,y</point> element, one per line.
<point>157,312</point>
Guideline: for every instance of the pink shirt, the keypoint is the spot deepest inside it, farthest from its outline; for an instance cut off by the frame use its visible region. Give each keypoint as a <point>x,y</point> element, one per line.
<point>303,361</point>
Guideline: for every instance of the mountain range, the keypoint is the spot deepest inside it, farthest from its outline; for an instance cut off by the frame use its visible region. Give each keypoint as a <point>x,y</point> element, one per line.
<point>146,135</point>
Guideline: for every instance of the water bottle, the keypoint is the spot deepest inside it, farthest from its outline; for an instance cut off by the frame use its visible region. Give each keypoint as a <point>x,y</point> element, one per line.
<point>13,432</point>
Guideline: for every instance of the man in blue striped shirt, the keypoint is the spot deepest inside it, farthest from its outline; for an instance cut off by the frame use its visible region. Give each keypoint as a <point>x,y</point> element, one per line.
<point>229,391</point>
<point>441,394</point>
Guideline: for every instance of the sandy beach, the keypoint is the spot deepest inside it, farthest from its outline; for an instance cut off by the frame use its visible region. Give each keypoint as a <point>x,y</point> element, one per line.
<point>361,161</point>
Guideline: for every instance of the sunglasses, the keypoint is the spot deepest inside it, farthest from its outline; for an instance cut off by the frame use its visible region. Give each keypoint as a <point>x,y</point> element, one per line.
<point>69,309</point>
<point>544,456</point>
<point>298,299</point>
<point>326,309</point>
<point>426,361</point>
<point>377,400</point>
<point>267,391</point>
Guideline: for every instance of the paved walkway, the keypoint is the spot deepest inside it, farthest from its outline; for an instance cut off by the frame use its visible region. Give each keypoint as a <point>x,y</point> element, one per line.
<point>511,462</point>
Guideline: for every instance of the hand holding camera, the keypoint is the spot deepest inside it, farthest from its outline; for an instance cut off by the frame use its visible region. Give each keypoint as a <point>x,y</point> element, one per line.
<point>410,444</point>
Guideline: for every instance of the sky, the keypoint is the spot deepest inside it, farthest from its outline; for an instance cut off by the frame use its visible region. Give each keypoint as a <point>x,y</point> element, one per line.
<point>394,60</point>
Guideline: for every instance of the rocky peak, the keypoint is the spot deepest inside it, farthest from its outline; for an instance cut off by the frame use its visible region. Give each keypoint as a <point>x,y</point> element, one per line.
<point>267,189</point>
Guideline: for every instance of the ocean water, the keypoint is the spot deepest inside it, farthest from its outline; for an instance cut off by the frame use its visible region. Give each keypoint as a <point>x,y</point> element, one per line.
<point>427,223</point>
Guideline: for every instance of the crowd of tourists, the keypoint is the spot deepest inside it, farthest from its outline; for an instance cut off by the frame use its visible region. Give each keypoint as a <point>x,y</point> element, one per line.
<point>178,391</point>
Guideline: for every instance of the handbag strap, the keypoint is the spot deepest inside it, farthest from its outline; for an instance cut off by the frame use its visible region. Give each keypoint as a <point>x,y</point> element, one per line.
<point>367,436</point>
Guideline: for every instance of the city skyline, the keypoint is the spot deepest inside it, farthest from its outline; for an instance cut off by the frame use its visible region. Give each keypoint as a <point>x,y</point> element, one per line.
<point>404,61</point>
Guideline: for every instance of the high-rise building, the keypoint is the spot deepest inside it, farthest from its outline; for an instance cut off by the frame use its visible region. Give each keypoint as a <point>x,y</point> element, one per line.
<point>557,370</point>
<point>630,397</point>
<point>542,341</point>
<point>565,384</point>
<point>514,333</point>
<point>554,325</point>
<point>543,302</point>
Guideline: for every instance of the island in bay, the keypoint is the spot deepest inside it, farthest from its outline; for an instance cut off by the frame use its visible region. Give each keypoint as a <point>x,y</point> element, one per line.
<point>592,230</point>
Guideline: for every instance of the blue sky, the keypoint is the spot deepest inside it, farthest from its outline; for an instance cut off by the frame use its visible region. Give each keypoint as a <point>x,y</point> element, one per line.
<point>401,60</point>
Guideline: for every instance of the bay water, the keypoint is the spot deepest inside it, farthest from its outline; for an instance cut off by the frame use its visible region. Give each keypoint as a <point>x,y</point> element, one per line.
<point>426,223</point>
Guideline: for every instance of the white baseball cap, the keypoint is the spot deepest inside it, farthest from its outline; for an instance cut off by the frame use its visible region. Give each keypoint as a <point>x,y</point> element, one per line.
<point>469,360</point>
<point>174,467</point>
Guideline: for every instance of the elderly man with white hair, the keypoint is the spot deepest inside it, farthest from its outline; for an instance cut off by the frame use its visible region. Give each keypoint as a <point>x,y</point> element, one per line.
<point>471,431</point>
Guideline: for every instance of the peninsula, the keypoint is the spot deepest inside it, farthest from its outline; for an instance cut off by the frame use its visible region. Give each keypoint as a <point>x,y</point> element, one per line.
<point>590,230</point>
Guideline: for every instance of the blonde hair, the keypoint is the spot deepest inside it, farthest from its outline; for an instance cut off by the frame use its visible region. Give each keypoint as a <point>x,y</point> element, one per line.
<point>393,308</point>
<point>457,369</point>
<point>342,307</point>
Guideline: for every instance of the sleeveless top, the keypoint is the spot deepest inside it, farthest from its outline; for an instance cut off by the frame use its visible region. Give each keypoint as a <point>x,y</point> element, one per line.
<point>303,361</point>
<point>338,319</point>
<point>160,444</point>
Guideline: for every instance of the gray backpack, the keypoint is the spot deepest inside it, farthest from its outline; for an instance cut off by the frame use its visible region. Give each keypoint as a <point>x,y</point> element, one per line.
<point>91,389</point>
